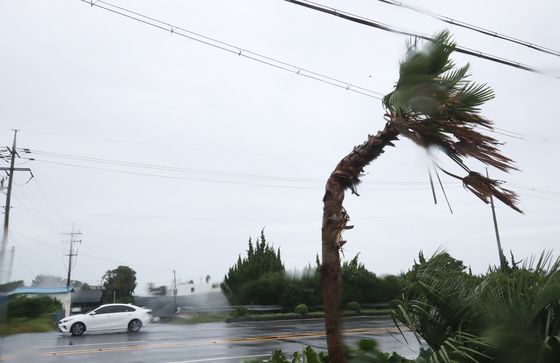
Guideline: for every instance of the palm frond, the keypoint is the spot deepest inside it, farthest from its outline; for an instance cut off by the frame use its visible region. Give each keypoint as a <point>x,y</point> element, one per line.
<point>436,105</point>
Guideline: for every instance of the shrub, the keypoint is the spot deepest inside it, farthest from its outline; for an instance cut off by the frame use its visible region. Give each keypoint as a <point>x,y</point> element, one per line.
<point>366,352</point>
<point>31,307</point>
<point>241,311</point>
<point>354,306</point>
<point>301,309</point>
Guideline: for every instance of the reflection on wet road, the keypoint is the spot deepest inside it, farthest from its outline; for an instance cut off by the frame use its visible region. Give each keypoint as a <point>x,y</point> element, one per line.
<point>211,342</point>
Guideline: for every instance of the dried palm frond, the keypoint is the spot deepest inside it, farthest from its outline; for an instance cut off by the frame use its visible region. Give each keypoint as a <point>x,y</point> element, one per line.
<point>436,105</point>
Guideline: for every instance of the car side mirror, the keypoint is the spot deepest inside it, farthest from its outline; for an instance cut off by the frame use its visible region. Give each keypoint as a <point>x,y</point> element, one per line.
<point>92,313</point>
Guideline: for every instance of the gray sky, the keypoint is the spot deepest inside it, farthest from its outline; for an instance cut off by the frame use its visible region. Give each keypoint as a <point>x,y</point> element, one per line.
<point>254,144</point>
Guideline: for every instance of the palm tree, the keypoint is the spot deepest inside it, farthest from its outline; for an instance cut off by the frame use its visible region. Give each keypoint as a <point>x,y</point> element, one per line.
<point>435,105</point>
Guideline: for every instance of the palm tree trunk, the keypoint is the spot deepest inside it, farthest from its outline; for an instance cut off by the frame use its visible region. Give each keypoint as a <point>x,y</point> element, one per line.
<point>345,175</point>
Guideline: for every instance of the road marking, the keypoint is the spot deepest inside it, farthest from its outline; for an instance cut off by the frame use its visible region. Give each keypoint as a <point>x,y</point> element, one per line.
<point>90,344</point>
<point>220,358</point>
<point>373,317</point>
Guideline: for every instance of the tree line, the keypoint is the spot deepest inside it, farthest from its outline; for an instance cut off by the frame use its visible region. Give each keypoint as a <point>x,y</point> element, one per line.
<point>260,278</point>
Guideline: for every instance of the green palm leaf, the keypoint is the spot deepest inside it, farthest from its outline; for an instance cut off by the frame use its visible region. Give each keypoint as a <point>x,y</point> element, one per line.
<point>436,105</point>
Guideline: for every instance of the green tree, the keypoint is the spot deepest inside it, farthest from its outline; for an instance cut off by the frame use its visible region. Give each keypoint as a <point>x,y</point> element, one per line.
<point>435,105</point>
<point>119,285</point>
<point>48,281</point>
<point>257,278</point>
<point>363,286</point>
<point>85,286</point>
<point>157,290</point>
<point>303,289</point>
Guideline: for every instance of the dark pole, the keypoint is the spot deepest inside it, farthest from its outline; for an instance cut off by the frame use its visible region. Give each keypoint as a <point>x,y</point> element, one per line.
<point>503,262</point>
<point>71,254</point>
<point>7,208</point>
<point>175,290</point>
<point>70,257</point>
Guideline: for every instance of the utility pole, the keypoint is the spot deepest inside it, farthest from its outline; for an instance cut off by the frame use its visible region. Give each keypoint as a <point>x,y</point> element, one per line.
<point>503,261</point>
<point>71,253</point>
<point>11,264</point>
<point>11,155</point>
<point>175,289</point>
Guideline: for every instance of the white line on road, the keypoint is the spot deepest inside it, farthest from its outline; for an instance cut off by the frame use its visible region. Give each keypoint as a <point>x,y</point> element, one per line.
<point>215,359</point>
<point>77,345</point>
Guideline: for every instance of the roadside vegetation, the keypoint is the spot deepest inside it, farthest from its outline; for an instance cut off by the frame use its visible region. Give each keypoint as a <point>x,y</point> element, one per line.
<point>508,315</point>
<point>259,278</point>
<point>30,315</point>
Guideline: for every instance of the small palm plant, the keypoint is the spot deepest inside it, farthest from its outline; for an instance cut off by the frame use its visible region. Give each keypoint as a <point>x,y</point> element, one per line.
<point>435,105</point>
<point>502,317</point>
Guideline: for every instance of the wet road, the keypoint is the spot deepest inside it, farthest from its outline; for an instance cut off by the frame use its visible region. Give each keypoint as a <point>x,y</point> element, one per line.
<point>210,342</point>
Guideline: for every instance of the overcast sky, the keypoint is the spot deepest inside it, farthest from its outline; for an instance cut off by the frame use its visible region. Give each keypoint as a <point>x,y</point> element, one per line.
<point>252,144</point>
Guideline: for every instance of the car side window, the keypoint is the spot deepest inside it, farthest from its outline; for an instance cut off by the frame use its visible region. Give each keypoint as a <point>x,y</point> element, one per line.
<point>119,309</point>
<point>104,310</point>
<point>130,308</point>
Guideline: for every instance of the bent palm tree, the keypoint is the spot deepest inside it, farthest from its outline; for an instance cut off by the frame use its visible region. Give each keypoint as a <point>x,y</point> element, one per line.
<point>436,106</point>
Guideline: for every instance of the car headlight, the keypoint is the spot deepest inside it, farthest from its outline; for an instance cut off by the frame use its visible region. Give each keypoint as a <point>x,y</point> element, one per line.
<point>64,321</point>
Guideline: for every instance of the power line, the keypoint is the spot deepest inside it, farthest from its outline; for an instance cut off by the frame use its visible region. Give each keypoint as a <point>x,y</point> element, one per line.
<point>176,169</point>
<point>402,214</point>
<point>87,254</point>
<point>475,28</point>
<point>232,49</point>
<point>170,168</point>
<point>37,214</point>
<point>205,180</point>
<point>378,25</point>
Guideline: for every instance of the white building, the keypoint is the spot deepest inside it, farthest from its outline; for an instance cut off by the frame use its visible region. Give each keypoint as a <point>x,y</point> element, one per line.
<point>185,288</point>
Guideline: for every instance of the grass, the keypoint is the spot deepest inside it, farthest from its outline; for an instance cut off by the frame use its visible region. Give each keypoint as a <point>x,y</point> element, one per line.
<point>229,317</point>
<point>202,318</point>
<point>310,315</point>
<point>40,324</point>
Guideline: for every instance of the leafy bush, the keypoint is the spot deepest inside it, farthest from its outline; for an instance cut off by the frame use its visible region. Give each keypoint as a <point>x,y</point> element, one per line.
<point>260,278</point>
<point>31,307</point>
<point>354,306</point>
<point>360,284</point>
<point>505,316</point>
<point>301,290</point>
<point>366,352</point>
<point>307,356</point>
<point>301,309</point>
<point>241,311</point>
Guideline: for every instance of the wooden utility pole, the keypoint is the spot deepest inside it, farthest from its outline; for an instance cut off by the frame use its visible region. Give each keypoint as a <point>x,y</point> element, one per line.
<point>12,154</point>
<point>71,253</point>
<point>11,265</point>
<point>175,289</point>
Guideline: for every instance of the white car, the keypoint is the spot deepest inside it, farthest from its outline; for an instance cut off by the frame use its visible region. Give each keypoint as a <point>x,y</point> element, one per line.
<point>107,317</point>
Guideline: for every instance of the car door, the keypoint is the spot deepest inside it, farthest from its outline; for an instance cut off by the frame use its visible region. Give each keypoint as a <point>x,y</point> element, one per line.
<point>120,317</point>
<point>100,318</point>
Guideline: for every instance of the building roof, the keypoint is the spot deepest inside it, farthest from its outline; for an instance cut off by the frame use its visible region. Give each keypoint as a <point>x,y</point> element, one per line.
<point>87,296</point>
<point>41,290</point>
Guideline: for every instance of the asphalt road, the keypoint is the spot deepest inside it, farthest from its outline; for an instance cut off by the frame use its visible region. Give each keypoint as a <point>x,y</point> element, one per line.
<point>210,342</point>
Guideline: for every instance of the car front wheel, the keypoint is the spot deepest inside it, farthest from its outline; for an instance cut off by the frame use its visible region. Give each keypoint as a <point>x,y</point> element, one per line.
<point>77,329</point>
<point>134,326</point>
